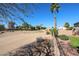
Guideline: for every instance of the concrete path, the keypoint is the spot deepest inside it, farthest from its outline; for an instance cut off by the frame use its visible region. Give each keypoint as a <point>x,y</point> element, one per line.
<point>13,40</point>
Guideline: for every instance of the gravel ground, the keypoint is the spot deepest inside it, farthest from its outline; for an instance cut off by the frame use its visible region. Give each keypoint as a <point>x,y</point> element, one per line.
<point>12,40</point>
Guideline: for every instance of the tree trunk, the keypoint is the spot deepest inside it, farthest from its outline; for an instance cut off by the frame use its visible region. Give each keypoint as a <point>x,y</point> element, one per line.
<point>55,22</point>
<point>54,14</point>
<point>56,49</point>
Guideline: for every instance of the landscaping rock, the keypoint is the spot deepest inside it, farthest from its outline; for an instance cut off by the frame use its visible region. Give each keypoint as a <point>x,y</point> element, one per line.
<point>39,48</point>
<point>76,31</point>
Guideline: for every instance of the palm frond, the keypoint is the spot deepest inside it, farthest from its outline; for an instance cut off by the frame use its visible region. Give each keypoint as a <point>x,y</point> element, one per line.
<point>54,7</point>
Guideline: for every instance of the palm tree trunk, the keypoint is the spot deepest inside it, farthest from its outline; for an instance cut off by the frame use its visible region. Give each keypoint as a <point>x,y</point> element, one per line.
<point>56,49</point>
<point>54,21</point>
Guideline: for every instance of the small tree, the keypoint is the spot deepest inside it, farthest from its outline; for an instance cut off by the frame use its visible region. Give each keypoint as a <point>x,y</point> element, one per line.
<point>2,27</point>
<point>66,25</point>
<point>24,26</point>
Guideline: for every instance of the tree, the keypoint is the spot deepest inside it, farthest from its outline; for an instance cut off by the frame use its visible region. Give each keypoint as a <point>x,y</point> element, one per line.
<point>18,27</point>
<point>2,27</point>
<point>25,25</point>
<point>76,24</point>
<point>54,9</point>
<point>11,25</point>
<point>43,27</point>
<point>66,25</point>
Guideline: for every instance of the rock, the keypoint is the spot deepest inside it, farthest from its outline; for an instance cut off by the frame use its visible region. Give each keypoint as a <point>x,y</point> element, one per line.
<point>75,31</point>
<point>40,39</point>
<point>38,48</point>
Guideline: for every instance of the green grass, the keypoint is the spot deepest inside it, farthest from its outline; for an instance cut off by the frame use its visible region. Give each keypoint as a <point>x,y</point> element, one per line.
<point>74,41</point>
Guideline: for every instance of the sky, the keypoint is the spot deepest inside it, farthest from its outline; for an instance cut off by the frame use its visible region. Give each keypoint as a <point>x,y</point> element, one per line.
<point>68,12</point>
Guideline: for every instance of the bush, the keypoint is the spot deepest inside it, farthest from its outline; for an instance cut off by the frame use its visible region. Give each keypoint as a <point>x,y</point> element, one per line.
<point>74,41</point>
<point>43,27</point>
<point>54,31</point>
<point>47,32</point>
<point>33,28</point>
<point>64,37</point>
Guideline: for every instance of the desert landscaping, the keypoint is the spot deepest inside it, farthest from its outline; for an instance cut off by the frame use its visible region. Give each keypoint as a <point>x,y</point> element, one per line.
<point>39,29</point>
<point>9,43</point>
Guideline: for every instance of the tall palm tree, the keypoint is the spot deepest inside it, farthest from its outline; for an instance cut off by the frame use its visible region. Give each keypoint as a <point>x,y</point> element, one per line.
<point>54,9</point>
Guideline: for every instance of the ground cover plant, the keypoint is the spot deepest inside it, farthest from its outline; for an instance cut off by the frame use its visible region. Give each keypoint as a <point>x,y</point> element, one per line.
<point>63,37</point>
<point>74,41</point>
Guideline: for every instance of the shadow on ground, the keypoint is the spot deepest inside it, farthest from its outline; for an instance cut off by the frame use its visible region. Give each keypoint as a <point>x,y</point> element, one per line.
<point>41,47</point>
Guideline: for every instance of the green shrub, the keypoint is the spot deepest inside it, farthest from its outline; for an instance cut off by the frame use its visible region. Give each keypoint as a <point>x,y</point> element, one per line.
<point>74,41</point>
<point>47,33</point>
<point>63,37</point>
<point>54,31</point>
<point>32,28</point>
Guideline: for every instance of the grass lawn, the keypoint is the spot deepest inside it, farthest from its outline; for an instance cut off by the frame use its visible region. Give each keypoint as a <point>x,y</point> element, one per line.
<point>74,41</point>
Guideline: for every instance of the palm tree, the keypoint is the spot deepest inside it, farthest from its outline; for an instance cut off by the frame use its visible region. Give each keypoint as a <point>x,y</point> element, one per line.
<point>54,9</point>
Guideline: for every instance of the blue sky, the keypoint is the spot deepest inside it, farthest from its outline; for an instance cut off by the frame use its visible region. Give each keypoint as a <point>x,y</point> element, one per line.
<point>42,15</point>
<point>67,13</point>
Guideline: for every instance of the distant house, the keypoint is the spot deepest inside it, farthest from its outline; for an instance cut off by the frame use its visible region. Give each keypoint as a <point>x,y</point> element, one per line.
<point>62,28</point>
